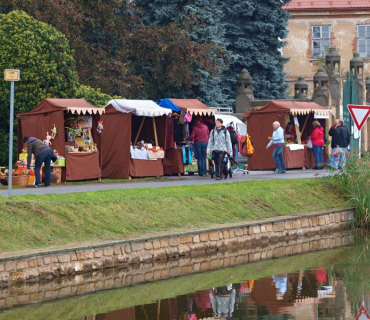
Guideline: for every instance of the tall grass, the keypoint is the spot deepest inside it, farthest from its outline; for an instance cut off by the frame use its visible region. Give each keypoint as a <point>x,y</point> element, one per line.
<point>354,184</point>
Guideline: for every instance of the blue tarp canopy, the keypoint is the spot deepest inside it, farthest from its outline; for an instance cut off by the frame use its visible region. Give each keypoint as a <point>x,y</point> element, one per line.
<point>167,103</point>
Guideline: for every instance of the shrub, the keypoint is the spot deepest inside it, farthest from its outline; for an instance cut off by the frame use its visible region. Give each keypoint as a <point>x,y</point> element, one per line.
<point>354,183</point>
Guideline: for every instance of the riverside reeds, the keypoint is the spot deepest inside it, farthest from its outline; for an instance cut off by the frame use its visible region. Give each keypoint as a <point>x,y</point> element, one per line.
<point>354,184</point>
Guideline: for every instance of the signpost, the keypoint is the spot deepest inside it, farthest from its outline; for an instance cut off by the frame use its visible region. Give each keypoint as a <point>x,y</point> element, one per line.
<point>11,75</point>
<point>359,114</point>
<point>362,314</point>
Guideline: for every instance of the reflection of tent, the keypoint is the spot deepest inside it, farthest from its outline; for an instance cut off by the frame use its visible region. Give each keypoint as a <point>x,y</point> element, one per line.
<point>50,112</point>
<point>193,106</point>
<point>260,126</point>
<point>126,122</point>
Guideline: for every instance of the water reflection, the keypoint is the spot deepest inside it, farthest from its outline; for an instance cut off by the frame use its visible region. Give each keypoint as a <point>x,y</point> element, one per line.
<point>306,294</point>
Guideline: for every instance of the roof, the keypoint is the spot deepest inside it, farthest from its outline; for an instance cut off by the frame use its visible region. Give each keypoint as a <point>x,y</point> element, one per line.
<point>317,5</point>
<point>194,106</point>
<point>167,103</point>
<point>79,106</point>
<point>291,106</point>
<point>145,108</point>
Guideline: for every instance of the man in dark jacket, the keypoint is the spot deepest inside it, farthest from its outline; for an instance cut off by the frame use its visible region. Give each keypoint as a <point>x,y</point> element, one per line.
<point>43,154</point>
<point>331,133</point>
<point>342,139</point>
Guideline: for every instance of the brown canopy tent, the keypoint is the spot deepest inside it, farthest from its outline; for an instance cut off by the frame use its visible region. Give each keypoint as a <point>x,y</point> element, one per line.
<point>260,128</point>
<point>125,123</point>
<point>52,112</point>
<point>193,106</point>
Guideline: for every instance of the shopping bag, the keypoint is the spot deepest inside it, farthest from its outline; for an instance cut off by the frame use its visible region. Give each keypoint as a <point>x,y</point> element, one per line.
<point>309,143</point>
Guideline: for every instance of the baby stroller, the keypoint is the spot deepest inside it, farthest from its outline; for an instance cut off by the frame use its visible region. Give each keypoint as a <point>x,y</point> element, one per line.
<point>226,164</point>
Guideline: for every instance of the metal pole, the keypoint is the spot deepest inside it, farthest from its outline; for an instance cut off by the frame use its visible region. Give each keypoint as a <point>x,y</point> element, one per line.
<point>11,140</point>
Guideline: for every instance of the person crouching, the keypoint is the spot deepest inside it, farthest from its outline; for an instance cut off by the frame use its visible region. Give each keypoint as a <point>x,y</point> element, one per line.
<point>43,155</point>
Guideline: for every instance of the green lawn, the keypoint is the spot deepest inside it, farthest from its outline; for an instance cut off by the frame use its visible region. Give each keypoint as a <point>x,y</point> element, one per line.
<point>31,222</point>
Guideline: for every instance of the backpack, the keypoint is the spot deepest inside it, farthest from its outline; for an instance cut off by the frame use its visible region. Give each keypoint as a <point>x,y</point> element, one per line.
<point>233,136</point>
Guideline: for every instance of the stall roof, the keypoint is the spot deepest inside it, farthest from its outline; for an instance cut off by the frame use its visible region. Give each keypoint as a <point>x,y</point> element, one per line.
<point>145,108</point>
<point>79,106</point>
<point>167,103</point>
<point>194,106</point>
<point>294,107</point>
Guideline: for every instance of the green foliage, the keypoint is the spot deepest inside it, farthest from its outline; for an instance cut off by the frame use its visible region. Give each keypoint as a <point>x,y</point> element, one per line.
<point>43,56</point>
<point>354,183</point>
<point>94,96</point>
<point>39,221</point>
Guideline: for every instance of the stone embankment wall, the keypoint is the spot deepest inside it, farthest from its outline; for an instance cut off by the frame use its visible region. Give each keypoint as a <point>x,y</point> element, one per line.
<point>122,254</point>
<point>21,294</point>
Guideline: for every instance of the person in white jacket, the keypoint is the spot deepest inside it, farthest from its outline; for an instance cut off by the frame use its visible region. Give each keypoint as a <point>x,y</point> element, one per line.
<point>278,141</point>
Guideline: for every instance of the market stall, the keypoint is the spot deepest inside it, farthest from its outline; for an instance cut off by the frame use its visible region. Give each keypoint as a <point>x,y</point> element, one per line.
<point>179,127</point>
<point>134,139</point>
<point>72,128</point>
<point>301,114</point>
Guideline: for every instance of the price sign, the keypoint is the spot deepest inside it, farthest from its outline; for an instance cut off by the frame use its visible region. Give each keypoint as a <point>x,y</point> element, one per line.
<point>12,75</point>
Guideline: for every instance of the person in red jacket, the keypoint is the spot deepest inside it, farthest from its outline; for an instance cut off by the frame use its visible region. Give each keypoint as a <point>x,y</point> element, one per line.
<point>318,142</point>
<point>200,136</point>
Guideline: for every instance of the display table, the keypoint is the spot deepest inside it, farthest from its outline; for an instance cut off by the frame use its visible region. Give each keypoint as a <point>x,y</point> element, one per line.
<point>146,168</point>
<point>172,163</point>
<point>294,159</point>
<point>82,166</point>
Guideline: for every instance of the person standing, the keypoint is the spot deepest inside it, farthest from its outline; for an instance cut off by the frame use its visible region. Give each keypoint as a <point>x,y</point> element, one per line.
<point>200,136</point>
<point>43,155</point>
<point>342,139</point>
<point>277,140</point>
<point>333,144</point>
<point>318,142</point>
<point>290,134</point>
<point>219,143</point>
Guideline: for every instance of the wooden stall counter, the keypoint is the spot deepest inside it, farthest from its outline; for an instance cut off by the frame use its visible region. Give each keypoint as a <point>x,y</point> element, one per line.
<point>146,168</point>
<point>173,163</point>
<point>82,166</point>
<point>294,159</point>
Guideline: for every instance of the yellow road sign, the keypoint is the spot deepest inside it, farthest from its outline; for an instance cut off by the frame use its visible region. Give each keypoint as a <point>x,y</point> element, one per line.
<point>12,75</point>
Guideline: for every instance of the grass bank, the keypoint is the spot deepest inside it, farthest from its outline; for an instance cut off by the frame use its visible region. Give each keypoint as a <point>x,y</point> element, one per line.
<point>32,222</point>
<point>354,185</point>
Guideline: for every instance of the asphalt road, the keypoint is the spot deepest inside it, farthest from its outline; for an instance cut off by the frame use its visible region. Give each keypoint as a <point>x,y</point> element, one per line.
<point>165,182</point>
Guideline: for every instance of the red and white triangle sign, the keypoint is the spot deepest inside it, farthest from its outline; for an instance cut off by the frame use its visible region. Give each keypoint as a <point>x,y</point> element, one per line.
<point>359,114</point>
<point>362,314</point>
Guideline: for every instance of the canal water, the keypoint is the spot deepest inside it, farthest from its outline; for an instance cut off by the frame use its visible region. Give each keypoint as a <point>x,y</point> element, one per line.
<point>325,284</point>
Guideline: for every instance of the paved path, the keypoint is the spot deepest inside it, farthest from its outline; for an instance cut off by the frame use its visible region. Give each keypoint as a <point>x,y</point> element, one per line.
<point>166,182</point>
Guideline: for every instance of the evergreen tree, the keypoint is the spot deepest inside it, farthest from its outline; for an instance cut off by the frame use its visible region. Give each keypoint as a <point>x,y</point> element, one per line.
<point>253,31</point>
<point>202,19</point>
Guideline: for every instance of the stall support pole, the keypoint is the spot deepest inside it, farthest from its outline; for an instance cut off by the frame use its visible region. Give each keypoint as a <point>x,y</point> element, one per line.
<point>10,170</point>
<point>139,131</point>
<point>305,123</point>
<point>155,132</point>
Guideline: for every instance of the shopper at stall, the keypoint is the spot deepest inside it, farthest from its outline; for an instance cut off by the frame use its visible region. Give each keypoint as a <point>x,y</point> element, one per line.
<point>200,136</point>
<point>277,140</point>
<point>218,144</point>
<point>342,140</point>
<point>290,134</point>
<point>333,144</point>
<point>318,142</point>
<point>43,155</point>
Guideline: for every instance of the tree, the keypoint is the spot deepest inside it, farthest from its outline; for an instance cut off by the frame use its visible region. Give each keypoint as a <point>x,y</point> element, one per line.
<point>45,60</point>
<point>253,32</point>
<point>201,20</point>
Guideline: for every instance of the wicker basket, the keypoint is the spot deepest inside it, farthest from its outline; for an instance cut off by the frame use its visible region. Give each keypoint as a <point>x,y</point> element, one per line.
<point>21,180</point>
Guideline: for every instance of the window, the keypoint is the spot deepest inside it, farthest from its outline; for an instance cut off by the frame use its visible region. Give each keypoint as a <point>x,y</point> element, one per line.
<point>363,41</point>
<point>242,129</point>
<point>320,40</point>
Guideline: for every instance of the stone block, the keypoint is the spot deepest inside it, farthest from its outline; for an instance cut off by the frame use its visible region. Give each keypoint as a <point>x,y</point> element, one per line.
<point>184,250</point>
<point>296,224</point>
<point>304,223</point>
<point>278,226</point>
<point>186,270</point>
<point>73,256</point>
<point>45,272</point>
<point>32,263</point>
<point>196,238</point>
<point>84,255</point>
<point>31,274</point>
<point>263,228</point>
<point>107,262</point>
<point>117,250</point>
<point>204,266</point>
<point>50,259</point>
<point>174,242</point>
<point>146,256</point>
<point>137,246</point>
<point>164,243</point>
<point>148,245</point>
<point>231,233</point>
<point>175,272</point>
<point>278,252</point>
<point>268,227</point>
<point>172,252</point>
<point>203,237</point>
<point>321,221</point>
<point>22,264</point>
<point>186,239</point>
<point>64,258</point>
<point>314,222</point>
<point>225,234</point>
<point>96,264</point>
<point>256,229</point>
<point>213,236</point>
<point>159,254</point>
<point>9,265</point>
<point>288,225</point>
<point>17,276</point>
